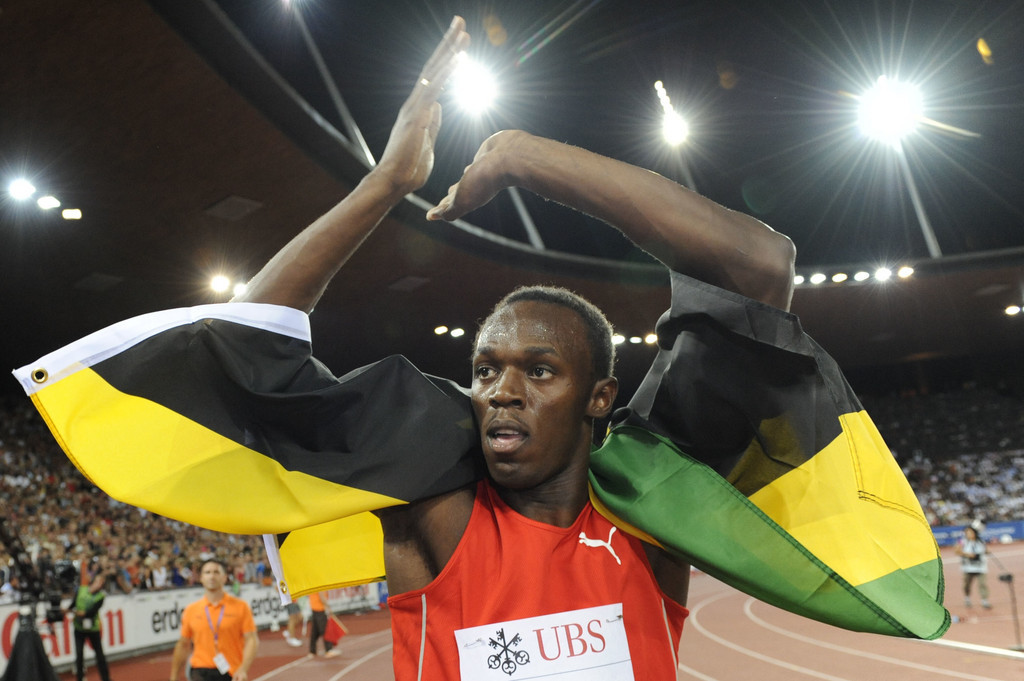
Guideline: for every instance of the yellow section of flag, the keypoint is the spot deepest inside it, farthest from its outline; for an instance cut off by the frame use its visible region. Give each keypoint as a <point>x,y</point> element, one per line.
<point>158,459</point>
<point>838,528</point>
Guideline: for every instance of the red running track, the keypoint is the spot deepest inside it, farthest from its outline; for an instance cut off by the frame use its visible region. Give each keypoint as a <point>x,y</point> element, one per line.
<point>729,637</point>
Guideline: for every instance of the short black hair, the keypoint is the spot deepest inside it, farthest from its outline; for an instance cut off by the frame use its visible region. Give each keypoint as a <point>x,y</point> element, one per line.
<point>218,561</point>
<point>599,330</point>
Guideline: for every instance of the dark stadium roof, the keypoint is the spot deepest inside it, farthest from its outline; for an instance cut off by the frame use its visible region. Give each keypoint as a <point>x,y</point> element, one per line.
<point>197,136</point>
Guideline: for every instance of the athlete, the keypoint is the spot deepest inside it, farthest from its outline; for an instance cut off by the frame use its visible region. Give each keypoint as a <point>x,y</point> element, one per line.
<point>520,569</point>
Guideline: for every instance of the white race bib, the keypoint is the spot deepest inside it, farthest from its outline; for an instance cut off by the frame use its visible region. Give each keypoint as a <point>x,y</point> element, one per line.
<point>581,645</point>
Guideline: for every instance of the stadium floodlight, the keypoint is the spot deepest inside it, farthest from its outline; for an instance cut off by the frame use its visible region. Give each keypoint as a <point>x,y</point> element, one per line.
<point>651,338</point>
<point>883,274</point>
<point>220,283</point>
<point>440,330</point>
<point>905,272</point>
<point>890,110</point>
<point>1013,310</point>
<point>675,130</point>
<point>71,214</point>
<point>818,278</point>
<point>839,277</point>
<point>473,86</point>
<point>618,339</point>
<point>674,127</point>
<point>862,276</point>
<point>20,189</point>
<point>48,202</point>
<point>457,333</point>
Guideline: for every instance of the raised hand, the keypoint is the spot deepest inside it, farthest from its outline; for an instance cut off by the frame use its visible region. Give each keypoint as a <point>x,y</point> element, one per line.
<point>409,155</point>
<point>481,179</point>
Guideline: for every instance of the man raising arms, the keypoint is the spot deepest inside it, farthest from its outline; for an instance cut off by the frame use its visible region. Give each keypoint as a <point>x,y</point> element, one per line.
<point>524,552</point>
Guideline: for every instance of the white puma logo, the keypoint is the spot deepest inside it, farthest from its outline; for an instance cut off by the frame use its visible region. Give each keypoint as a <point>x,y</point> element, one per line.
<point>584,539</point>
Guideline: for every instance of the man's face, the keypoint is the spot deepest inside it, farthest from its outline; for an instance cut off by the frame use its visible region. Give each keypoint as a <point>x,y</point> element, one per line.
<point>212,576</point>
<point>532,385</point>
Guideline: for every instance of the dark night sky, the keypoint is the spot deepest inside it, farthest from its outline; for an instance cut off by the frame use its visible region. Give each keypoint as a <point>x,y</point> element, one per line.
<point>760,82</point>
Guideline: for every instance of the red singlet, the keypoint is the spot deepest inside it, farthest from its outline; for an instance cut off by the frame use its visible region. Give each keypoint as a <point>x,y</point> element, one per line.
<point>521,599</point>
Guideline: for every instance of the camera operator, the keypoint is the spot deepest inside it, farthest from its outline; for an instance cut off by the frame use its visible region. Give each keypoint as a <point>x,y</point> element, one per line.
<point>88,626</point>
<point>115,581</point>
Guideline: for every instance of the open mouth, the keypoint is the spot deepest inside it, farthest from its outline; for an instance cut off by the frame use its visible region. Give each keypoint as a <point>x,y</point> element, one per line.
<point>505,437</point>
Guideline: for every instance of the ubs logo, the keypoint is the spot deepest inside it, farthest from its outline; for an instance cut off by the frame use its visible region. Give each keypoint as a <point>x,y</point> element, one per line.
<point>507,659</point>
<point>589,644</point>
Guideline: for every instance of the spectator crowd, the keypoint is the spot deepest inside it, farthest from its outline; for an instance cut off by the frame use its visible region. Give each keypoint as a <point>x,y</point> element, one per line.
<point>60,516</point>
<point>963,452</point>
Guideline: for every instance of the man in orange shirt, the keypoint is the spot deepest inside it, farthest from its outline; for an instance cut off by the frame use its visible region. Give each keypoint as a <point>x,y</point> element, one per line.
<point>221,631</point>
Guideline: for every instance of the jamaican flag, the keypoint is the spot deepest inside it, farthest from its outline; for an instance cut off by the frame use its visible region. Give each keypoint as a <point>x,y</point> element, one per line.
<point>219,416</point>
<point>744,451</point>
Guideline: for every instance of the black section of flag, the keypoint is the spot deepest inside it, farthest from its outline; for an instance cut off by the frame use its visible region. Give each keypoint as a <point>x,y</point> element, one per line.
<point>738,386</point>
<point>385,428</point>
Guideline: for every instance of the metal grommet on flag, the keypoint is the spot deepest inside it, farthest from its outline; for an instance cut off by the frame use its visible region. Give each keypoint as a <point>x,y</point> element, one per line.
<point>40,375</point>
<point>282,587</point>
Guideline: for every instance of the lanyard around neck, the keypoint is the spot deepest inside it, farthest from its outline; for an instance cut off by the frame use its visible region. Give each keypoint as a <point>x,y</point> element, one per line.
<point>216,632</point>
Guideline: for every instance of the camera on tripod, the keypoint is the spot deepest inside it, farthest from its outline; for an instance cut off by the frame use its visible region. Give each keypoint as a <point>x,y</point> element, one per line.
<point>59,579</point>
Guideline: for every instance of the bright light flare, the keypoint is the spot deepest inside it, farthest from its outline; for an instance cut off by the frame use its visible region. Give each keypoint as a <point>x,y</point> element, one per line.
<point>440,330</point>
<point>674,127</point>
<point>457,333</point>
<point>651,338</point>
<point>48,202</point>
<point>220,283</point>
<point>890,110</point>
<point>239,289</point>
<point>883,274</point>
<point>473,86</point>
<point>905,272</point>
<point>71,214</point>
<point>618,339</point>
<point>1013,310</point>
<point>21,189</point>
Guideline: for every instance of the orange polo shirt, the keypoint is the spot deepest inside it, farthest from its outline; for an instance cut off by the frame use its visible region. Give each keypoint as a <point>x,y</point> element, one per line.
<point>217,628</point>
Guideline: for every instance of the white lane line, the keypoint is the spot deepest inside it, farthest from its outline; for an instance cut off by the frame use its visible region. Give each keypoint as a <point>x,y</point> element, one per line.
<point>974,647</point>
<point>357,663</point>
<point>856,651</point>
<point>695,673</point>
<point>695,622</point>
<point>274,672</point>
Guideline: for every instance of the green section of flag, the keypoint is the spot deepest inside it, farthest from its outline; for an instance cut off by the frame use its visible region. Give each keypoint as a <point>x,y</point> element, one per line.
<point>693,512</point>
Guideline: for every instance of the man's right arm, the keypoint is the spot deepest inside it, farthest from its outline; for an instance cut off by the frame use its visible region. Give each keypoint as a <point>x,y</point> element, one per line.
<point>181,651</point>
<point>300,272</point>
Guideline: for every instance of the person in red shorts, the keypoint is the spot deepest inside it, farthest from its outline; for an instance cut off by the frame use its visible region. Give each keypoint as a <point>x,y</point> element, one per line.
<point>318,626</point>
<point>219,629</point>
<point>518,574</point>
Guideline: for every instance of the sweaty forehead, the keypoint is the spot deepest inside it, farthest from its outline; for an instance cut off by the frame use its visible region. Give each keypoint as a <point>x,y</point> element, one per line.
<point>533,324</point>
